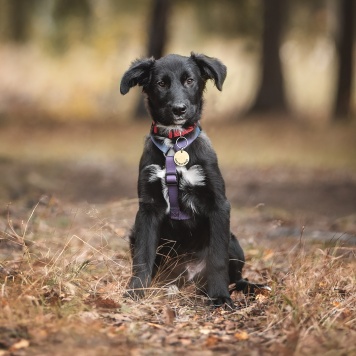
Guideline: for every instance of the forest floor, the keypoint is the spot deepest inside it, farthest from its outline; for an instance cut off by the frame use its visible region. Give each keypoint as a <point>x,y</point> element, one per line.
<point>68,200</point>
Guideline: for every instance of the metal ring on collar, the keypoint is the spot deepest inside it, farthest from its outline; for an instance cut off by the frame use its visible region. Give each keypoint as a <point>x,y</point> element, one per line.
<point>186,142</point>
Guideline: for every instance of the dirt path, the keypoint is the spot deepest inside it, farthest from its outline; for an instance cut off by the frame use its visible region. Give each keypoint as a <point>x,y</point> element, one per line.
<point>322,201</point>
<point>322,193</point>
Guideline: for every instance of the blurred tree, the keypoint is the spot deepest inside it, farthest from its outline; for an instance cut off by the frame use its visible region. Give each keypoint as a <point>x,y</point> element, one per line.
<point>228,18</point>
<point>15,19</point>
<point>345,20</point>
<point>73,20</point>
<point>271,95</point>
<point>157,38</point>
<point>158,27</point>
<point>308,18</point>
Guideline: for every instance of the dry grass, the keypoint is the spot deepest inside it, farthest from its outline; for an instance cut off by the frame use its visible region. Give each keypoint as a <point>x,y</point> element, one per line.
<point>63,272</point>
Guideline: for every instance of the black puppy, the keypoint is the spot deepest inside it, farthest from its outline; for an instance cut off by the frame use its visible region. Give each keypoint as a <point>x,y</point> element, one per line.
<point>183,211</point>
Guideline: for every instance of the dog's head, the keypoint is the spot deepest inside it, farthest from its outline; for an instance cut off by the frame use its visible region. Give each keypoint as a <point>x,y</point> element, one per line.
<point>174,85</point>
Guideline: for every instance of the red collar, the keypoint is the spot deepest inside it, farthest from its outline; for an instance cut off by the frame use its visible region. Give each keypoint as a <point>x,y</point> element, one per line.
<point>171,133</point>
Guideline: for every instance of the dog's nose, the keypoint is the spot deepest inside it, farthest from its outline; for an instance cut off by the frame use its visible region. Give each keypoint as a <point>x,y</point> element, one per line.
<point>179,109</point>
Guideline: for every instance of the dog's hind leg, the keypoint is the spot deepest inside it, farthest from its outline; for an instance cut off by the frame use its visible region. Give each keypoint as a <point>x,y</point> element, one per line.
<point>236,260</point>
<point>236,264</point>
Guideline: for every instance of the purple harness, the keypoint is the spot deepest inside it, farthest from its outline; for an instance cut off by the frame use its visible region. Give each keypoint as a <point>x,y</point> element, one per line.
<point>171,171</point>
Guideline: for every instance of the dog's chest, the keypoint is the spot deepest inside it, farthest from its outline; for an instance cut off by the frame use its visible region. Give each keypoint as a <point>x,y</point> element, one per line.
<point>189,180</point>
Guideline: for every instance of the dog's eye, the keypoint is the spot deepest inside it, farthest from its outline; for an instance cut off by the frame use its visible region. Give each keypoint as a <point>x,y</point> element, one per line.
<point>189,81</point>
<point>161,83</point>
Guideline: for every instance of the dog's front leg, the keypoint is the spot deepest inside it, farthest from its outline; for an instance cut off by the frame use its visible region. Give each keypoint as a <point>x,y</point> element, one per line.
<point>218,257</point>
<point>144,245</point>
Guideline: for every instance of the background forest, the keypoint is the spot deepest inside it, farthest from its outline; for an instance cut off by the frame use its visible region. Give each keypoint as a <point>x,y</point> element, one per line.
<point>65,59</point>
<point>283,128</point>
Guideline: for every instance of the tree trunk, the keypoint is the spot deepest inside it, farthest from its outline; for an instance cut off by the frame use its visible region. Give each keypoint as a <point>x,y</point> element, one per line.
<point>15,17</point>
<point>344,47</point>
<point>158,28</point>
<point>271,96</point>
<point>157,38</point>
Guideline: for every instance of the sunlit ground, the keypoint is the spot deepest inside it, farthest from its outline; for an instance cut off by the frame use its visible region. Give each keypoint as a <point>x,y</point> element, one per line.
<point>69,151</point>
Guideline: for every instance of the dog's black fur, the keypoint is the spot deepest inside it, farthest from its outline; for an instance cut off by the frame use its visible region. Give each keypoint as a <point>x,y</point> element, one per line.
<point>174,86</point>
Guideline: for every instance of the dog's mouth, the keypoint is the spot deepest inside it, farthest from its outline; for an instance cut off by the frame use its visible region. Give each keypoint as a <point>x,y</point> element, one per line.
<point>179,120</point>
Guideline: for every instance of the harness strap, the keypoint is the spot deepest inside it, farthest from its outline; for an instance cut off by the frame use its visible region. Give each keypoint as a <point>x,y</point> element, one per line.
<point>171,172</point>
<point>173,185</point>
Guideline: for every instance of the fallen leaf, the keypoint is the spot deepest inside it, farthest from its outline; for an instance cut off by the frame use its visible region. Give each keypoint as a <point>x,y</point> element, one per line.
<point>89,316</point>
<point>122,328</point>
<point>218,320</point>
<point>263,292</point>
<point>157,326</point>
<point>229,325</point>
<point>242,335</point>
<point>38,335</point>
<point>118,318</point>
<point>104,303</point>
<point>185,341</point>
<point>346,312</point>
<point>183,325</point>
<point>268,254</point>
<point>168,315</point>
<point>7,310</point>
<point>211,341</point>
<point>261,298</point>
<point>22,344</point>
<point>205,331</point>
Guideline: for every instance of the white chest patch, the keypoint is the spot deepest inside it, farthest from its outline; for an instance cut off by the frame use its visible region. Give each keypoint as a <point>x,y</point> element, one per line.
<point>193,268</point>
<point>194,176</point>
<point>158,173</point>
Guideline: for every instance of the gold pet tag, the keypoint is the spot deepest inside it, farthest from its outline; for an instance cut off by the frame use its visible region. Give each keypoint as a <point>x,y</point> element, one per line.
<point>181,158</point>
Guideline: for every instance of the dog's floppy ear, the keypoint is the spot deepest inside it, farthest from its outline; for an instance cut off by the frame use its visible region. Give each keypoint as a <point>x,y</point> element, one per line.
<point>137,74</point>
<point>211,68</point>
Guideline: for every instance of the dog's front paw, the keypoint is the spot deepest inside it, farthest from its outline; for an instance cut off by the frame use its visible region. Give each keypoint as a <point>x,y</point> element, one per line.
<point>136,288</point>
<point>134,294</point>
<point>224,302</point>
